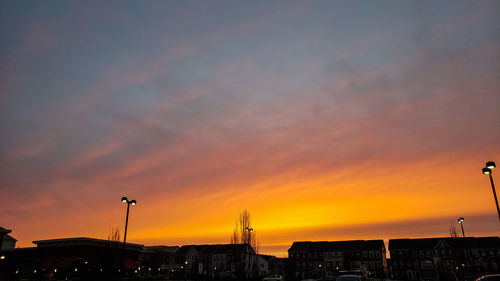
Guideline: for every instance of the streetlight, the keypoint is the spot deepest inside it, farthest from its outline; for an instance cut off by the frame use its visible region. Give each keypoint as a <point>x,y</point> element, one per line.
<point>488,170</point>
<point>131,202</point>
<point>249,239</point>
<point>250,230</point>
<point>461,222</point>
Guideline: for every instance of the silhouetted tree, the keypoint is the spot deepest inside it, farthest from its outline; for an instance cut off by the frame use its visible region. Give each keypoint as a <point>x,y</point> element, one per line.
<point>111,258</point>
<point>453,231</point>
<point>241,233</point>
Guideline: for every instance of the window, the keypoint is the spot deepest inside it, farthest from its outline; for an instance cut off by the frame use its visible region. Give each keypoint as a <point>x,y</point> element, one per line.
<point>427,265</point>
<point>372,255</point>
<point>364,254</point>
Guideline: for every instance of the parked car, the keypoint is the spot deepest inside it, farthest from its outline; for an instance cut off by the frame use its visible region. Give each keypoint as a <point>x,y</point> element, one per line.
<point>352,277</point>
<point>273,278</point>
<point>490,277</point>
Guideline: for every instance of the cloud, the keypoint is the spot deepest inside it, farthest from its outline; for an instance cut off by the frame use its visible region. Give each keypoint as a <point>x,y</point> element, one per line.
<point>228,118</point>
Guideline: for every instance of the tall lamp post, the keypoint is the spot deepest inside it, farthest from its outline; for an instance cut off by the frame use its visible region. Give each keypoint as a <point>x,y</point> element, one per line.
<point>461,222</point>
<point>131,202</point>
<point>488,171</point>
<point>249,239</point>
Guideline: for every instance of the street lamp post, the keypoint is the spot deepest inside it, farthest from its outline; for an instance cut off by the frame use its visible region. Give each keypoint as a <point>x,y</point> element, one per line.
<point>461,222</point>
<point>249,239</point>
<point>131,202</point>
<point>488,170</point>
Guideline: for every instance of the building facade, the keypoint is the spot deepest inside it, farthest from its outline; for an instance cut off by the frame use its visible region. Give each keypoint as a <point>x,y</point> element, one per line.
<point>83,258</point>
<point>7,242</point>
<point>329,259</point>
<point>217,261</point>
<point>444,258</point>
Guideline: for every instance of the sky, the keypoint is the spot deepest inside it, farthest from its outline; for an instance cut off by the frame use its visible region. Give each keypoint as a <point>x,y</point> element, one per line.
<point>326,120</point>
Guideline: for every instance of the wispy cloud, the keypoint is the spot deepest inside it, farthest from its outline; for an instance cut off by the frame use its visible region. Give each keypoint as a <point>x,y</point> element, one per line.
<point>321,126</point>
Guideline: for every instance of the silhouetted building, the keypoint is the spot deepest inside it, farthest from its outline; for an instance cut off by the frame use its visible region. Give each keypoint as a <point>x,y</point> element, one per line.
<point>217,261</point>
<point>81,257</point>
<point>156,260</point>
<point>7,242</point>
<point>263,265</point>
<point>329,259</point>
<point>444,258</point>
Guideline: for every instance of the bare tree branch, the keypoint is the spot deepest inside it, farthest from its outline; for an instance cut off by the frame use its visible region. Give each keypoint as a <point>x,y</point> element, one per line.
<point>243,231</point>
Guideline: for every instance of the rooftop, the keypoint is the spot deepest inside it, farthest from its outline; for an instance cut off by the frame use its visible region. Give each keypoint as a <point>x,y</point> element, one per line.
<point>321,246</point>
<point>431,243</point>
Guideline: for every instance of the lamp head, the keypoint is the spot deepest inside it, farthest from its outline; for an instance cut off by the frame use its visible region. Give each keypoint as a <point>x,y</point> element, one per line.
<point>490,165</point>
<point>124,199</point>
<point>460,220</point>
<point>486,171</point>
<point>133,202</point>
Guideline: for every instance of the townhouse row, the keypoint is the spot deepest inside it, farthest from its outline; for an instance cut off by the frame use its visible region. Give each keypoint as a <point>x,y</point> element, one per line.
<point>410,259</point>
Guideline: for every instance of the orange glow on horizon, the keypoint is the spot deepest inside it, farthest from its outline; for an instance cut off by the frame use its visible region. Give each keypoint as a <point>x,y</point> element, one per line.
<point>308,207</point>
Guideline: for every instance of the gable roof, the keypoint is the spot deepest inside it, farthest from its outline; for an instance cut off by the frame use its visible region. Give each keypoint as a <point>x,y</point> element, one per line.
<point>432,243</point>
<point>4,231</point>
<point>8,237</point>
<point>83,241</point>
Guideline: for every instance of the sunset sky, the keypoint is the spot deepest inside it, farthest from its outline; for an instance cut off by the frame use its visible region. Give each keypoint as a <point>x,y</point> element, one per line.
<point>326,120</point>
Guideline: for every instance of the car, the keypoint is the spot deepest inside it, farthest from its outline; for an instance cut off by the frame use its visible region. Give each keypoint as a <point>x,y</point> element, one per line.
<point>351,277</point>
<point>490,277</point>
<point>273,278</point>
